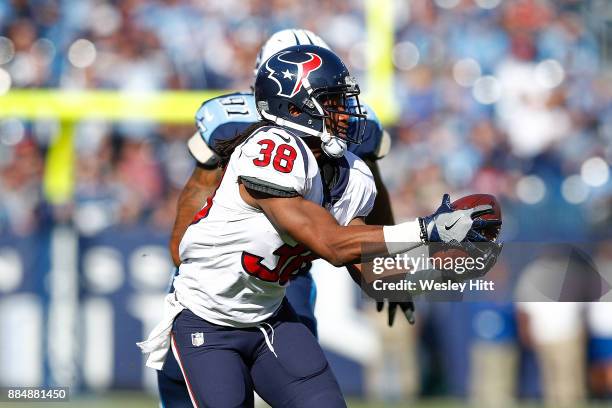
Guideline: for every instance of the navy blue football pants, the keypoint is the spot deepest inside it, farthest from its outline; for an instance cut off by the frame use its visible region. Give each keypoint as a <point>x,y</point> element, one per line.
<point>301,294</point>
<point>280,359</point>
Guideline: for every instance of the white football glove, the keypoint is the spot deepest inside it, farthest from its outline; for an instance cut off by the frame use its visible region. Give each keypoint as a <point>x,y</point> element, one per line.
<point>446,224</point>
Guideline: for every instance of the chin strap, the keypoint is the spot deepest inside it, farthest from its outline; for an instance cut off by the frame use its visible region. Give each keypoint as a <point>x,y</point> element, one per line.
<point>333,146</point>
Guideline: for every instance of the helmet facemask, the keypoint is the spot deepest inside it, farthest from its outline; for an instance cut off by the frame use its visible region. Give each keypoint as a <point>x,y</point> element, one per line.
<point>339,114</point>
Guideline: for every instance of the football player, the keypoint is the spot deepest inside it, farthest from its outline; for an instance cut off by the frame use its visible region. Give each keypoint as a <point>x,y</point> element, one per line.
<point>228,321</point>
<point>220,119</point>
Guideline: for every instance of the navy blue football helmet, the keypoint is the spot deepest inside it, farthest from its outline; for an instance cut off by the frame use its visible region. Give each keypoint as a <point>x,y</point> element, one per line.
<point>309,89</point>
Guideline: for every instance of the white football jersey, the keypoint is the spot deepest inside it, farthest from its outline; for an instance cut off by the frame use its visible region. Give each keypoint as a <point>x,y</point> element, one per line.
<point>354,192</point>
<point>235,264</point>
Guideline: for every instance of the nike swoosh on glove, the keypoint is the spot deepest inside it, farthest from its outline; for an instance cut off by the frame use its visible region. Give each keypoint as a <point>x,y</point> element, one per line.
<point>447,224</point>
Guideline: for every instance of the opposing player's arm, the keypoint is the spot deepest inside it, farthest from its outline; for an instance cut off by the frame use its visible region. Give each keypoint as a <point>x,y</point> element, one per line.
<point>200,185</point>
<point>364,280</point>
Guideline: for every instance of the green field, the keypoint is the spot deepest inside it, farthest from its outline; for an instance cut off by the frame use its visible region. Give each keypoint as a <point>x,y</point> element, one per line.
<point>140,400</point>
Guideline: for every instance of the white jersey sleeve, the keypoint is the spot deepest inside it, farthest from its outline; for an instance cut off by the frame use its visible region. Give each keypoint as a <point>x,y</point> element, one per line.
<point>275,162</point>
<point>353,197</point>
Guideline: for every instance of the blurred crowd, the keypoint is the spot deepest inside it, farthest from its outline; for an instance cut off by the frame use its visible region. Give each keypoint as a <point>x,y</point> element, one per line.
<point>509,97</point>
<point>513,100</point>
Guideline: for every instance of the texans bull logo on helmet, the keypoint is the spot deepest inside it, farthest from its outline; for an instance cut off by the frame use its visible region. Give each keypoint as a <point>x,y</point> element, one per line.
<point>290,74</point>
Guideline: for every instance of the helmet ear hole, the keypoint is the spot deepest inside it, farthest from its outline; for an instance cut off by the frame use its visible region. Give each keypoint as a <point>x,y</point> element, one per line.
<point>294,110</point>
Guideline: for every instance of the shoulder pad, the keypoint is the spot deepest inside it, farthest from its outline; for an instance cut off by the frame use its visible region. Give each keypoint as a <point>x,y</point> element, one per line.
<point>272,156</point>
<point>223,117</point>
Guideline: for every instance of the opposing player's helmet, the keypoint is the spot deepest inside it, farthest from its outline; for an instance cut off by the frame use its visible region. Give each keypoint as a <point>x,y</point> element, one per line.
<point>309,89</point>
<point>285,39</point>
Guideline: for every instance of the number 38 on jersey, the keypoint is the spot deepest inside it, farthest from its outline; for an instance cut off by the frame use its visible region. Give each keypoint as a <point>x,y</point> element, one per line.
<point>282,156</point>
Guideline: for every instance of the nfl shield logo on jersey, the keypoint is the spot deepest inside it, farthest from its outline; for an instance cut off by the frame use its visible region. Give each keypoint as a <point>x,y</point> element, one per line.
<point>197,339</point>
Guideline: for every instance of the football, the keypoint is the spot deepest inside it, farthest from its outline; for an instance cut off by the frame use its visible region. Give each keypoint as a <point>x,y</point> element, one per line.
<point>473,200</point>
<point>442,252</point>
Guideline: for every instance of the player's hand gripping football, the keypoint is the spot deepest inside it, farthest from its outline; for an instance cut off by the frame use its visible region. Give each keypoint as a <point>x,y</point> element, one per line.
<point>448,224</point>
<point>468,228</point>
